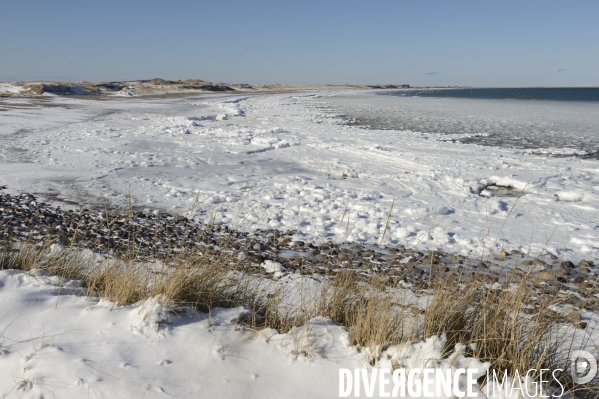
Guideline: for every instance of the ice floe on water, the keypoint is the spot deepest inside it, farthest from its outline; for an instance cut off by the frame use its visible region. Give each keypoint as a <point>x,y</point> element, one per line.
<point>291,161</point>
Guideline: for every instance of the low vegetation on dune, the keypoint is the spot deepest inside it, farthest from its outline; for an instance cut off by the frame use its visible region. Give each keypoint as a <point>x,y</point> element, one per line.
<point>507,324</point>
<point>517,318</point>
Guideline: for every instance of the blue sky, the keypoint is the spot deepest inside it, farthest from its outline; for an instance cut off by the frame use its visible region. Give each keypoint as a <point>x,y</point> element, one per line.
<point>478,43</point>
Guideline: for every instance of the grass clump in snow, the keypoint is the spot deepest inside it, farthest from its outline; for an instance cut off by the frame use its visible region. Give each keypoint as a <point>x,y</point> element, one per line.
<point>505,325</point>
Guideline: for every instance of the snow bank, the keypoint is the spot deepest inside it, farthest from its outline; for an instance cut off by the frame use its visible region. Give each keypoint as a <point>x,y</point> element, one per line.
<point>571,196</point>
<point>69,346</point>
<point>152,315</point>
<point>10,88</point>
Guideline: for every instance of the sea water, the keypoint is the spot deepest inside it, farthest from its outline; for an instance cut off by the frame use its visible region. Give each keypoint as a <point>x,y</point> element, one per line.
<point>553,121</point>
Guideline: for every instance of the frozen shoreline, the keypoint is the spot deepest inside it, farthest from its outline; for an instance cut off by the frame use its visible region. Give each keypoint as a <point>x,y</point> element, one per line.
<point>302,168</point>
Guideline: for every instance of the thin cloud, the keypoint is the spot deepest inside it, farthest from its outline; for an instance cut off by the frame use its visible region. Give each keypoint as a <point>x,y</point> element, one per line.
<point>562,70</point>
<point>432,73</point>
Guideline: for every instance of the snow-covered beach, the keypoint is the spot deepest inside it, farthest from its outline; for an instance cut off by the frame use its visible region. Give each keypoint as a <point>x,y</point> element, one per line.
<point>288,161</point>
<point>295,161</point>
<point>293,200</point>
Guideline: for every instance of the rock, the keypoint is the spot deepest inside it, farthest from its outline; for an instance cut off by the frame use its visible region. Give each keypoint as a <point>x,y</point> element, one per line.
<point>566,265</point>
<point>515,252</point>
<point>586,263</point>
<point>434,254</point>
<point>411,264</point>
<point>578,279</point>
<point>343,257</point>
<point>586,285</point>
<point>575,319</point>
<point>324,245</point>
<point>528,262</point>
<point>535,262</point>
<point>283,240</point>
<point>331,251</point>
<point>583,270</point>
<point>439,269</point>
<point>416,272</point>
<point>564,295</point>
<point>546,275</point>
<point>554,289</point>
<point>321,258</point>
<point>501,253</point>
<point>64,239</point>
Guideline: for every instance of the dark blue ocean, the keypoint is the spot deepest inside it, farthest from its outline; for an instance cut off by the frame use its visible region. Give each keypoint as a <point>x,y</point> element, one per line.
<point>503,93</point>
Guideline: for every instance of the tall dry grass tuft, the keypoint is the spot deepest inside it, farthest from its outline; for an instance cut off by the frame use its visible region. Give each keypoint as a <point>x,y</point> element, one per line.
<point>70,264</point>
<point>123,281</point>
<point>374,318</point>
<point>507,326</point>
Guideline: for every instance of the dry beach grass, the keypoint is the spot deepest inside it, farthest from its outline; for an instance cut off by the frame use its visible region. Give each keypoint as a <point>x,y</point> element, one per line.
<point>500,315</point>
<point>507,326</point>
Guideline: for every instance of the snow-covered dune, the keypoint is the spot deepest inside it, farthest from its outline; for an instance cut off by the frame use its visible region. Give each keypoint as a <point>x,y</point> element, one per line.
<point>57,343</point>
